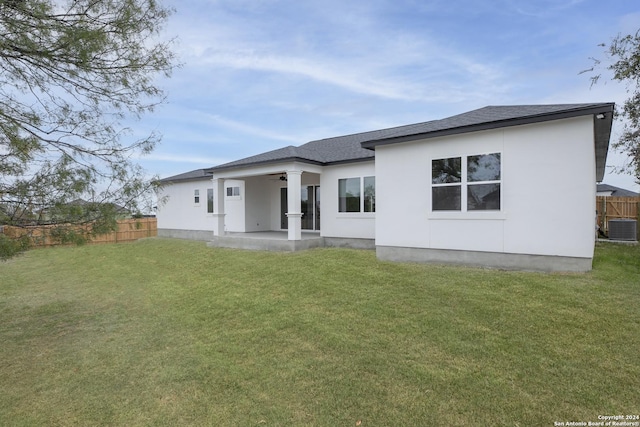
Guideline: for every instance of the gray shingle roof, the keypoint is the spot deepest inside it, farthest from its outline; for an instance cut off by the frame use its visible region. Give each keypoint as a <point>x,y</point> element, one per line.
<point>281,154</point>
<point>193,175</point>
<point>358,147</point>
<point>490,117</point>
<point>322,152</point>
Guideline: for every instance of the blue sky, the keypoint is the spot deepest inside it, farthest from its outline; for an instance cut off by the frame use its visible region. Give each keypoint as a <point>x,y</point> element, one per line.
<point>263,74</point>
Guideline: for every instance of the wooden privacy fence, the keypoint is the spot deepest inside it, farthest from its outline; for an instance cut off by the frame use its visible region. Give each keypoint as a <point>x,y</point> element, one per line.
<point>128,230</point>
<point>616,208</point>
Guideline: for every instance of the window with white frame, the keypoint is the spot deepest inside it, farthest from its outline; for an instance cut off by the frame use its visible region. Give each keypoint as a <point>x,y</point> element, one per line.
<point>469,183</point>
<point>233,191</point>
<point>357,194</point>
<point>196,197</point>
<point>209,200</point>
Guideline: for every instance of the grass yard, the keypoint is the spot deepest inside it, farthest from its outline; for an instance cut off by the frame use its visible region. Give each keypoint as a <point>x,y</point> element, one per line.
<point>168,332</point>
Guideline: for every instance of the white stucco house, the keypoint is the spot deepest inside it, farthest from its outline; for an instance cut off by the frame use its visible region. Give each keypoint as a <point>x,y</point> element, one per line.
<point>501,186</point>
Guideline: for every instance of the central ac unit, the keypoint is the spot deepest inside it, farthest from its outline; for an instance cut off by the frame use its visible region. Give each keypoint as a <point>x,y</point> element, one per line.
<point>623,229</point>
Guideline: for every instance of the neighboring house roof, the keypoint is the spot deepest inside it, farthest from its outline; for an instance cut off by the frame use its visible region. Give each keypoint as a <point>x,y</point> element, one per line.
<point>82,202</point>
<point>360,146</point>
<point>615,191</point>
<point>194,175</point>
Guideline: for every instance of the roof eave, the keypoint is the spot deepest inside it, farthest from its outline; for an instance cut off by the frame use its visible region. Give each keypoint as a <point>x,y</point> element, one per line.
<point>262,162</point>
<point>357,160</point>
<point>290,159</point>
<point>602,135</point>
<point>165,181</point>
<point>581,111</point>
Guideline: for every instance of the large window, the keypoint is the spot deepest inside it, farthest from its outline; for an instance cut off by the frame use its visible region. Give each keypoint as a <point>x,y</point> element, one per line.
<point>357,194</point>
<point>209,200</point>
<point>446,178</point>
<point>483,182</point>
<point>469,183</point>
<point>349,195</point>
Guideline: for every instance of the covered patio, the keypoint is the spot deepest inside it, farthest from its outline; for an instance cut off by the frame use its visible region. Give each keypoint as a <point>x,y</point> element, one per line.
<point>268,241</point>
<point>273,206</point>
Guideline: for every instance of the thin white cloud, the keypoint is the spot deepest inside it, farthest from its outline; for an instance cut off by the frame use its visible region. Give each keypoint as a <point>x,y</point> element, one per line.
<point>355,54</point>
<point>248,129</point>
<point>541,9</point>
<point>406,70</point>
<point>334,74</point>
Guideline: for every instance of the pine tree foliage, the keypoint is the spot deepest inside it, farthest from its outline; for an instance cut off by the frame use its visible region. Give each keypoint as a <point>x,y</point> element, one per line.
<point>71,73</point>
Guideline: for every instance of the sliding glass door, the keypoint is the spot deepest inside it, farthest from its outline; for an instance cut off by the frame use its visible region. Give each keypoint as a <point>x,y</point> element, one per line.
<point>309,206</point>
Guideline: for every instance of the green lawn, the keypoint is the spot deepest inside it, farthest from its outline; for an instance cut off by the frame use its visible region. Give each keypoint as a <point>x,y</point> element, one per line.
<point>168,332</point>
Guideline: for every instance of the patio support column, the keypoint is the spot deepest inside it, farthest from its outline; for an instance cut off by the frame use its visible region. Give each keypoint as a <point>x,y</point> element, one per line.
<point>218,207</point>
<point>294,214</point>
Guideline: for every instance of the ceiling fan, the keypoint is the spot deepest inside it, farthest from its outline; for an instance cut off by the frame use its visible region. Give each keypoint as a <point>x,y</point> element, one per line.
<point>282,177</point>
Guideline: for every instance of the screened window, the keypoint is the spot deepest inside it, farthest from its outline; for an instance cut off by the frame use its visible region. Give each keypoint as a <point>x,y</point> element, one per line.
<point>471,183</point>
<point>196,196</point>
<point>357,194</point>
<point>209,200</point>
